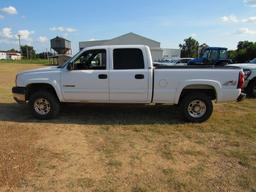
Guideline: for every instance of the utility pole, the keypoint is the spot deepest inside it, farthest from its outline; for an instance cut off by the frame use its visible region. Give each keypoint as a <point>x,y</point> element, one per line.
<point>20,45</point>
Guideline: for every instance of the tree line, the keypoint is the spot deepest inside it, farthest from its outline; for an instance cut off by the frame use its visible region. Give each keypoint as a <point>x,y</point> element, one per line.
<point>245,51</point>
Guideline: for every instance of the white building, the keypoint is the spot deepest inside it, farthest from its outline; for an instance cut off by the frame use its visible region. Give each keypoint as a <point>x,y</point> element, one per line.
<point>13,56</point>
<point>10,55</point>
<point>158,53</point>
<point>3,55</point>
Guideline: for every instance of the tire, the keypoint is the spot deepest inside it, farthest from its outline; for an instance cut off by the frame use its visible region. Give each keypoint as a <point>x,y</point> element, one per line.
<point>196,107</point>
<point>251,89</point>
<point>44,105</point>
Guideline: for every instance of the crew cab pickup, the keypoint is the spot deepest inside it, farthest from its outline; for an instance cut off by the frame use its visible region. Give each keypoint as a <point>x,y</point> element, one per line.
<point>127,75</point>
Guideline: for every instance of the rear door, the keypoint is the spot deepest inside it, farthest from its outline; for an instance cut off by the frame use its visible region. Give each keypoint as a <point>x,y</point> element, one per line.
<point>129,78</point>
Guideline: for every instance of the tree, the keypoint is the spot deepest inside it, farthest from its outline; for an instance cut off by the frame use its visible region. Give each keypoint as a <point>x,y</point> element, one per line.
<point>245,51</point>
<point>190,48</point>
<point>28,52</point>
<point>232,54</point>
<point>13,50</point>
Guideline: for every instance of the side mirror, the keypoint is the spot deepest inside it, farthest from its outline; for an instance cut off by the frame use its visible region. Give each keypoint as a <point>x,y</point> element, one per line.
<point>69,67</point>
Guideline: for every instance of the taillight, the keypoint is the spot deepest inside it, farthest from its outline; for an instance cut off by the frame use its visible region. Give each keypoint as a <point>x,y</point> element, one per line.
<point>241,80</point>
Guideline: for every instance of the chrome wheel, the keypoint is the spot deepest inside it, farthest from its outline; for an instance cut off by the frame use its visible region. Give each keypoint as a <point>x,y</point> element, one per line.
<point>42,106</point>
<point>197,109</point>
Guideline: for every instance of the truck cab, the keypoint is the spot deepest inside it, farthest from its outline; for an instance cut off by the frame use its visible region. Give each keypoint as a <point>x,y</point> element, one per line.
<point>216,56</point>
<point>109,75</point>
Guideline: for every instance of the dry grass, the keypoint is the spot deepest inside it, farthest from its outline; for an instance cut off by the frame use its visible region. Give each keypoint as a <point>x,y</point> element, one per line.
<point>124,148</point>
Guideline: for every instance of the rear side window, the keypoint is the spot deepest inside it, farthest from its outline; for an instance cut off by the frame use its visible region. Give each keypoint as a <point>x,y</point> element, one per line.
<point>128,59</point>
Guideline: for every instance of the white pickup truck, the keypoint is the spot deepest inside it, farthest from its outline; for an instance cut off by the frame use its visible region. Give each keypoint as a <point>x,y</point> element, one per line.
<point>126,75</point>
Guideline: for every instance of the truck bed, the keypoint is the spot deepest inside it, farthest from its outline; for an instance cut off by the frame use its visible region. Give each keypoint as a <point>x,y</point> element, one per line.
<point>159,66</point>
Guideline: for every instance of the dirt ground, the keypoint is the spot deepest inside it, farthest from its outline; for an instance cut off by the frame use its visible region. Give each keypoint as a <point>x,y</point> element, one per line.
<point>124,148</point>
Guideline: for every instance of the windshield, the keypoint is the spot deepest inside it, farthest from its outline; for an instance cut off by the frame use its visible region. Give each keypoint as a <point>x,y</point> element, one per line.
<point>70,59</point>
<point>206,54</point>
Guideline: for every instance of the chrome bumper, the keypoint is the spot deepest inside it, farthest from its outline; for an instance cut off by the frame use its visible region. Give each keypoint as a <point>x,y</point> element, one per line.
<point>19,94</point>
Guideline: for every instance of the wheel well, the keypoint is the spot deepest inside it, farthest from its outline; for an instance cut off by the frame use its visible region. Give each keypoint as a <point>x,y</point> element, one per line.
<point>249,86</point>
<point>33,88</point>
<point>205,89</point>
<point>252,80</point>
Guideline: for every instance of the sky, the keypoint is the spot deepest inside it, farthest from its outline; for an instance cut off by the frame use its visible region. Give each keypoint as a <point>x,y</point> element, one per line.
<point>217,23</point>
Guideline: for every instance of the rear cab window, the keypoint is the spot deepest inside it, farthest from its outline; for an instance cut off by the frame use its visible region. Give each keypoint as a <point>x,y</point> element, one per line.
<point>127,59</point>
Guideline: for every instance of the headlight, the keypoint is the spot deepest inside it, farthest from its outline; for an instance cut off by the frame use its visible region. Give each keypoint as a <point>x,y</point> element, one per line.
<point>247,73</point>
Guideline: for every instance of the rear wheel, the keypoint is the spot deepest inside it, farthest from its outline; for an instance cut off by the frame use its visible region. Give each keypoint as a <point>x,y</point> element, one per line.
<point>44,105</point>
<point>196,107</point>
<point>251,89</point>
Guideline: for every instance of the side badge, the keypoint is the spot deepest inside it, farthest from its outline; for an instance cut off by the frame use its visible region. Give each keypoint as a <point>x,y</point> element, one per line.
<point>230,83</point>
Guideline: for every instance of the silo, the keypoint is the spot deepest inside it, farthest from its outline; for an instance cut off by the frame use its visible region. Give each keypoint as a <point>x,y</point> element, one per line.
<point>62,47</point>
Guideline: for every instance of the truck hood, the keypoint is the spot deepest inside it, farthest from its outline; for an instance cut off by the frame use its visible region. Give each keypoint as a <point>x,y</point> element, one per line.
<point>244,65</point>
<point>44,69</point>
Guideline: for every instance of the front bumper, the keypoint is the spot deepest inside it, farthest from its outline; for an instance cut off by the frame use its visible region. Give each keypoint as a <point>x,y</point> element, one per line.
<point>19,94</point>
<point>241,97</point>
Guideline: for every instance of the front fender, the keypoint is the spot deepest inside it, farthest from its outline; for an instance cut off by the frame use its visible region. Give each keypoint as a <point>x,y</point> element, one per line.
<point>198,82</point>
<point>53,83</point>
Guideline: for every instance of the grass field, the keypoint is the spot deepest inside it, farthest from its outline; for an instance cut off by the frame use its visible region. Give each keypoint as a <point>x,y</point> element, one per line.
<point>26,61</point>
<point>124,148</point>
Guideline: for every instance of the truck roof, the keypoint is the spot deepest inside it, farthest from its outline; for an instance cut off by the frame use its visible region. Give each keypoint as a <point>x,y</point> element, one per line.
<point>117,46</point>
<point>217,48</point>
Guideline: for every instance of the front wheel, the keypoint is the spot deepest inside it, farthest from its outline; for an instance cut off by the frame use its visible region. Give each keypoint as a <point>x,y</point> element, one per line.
<point>196,107</point>
<point>44,105</point>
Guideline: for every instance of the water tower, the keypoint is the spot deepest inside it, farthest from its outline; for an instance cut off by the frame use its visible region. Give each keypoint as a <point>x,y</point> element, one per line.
<point>63,49</point>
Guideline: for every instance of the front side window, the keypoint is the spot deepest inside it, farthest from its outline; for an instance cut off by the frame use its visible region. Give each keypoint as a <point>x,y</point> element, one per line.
<point>223,54</point>
<point>91,60</point>
<point>125,59</point>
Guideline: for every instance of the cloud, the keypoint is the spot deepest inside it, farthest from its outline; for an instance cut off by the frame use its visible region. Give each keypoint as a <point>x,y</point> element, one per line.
<point>70,30</point>
<point>249,20</point>
<point>9,10</point>
<point>1,17</point>
<point>6,33</point>
<point>229,19</point>
<point>25,35</point>
<point>63,29</point>
<point>235,19</point>
<point>43,39</point>
<point>245,31</point>
<point>193,35</point>
<point>251,3</point>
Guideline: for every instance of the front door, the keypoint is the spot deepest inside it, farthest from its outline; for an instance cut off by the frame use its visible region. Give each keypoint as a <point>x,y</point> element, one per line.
<point>86,79</point>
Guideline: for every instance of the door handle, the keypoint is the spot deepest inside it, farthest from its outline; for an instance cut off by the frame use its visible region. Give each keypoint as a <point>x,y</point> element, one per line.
<point>139,76</point>
<point>103,76</point>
